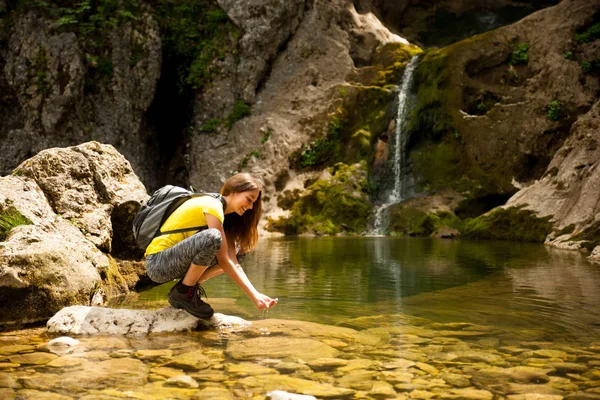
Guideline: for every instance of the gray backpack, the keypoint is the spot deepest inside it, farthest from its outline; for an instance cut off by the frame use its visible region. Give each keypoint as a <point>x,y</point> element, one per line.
<point>155,211</point>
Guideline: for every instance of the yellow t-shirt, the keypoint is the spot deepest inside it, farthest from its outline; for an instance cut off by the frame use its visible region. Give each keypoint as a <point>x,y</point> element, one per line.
<point>188,215</point>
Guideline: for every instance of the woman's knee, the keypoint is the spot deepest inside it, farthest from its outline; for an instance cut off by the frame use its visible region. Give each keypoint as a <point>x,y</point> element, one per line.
<point>215,237</point>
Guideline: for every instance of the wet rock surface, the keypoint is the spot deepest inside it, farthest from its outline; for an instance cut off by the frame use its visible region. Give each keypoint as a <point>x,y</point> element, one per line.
<point>276,357</point>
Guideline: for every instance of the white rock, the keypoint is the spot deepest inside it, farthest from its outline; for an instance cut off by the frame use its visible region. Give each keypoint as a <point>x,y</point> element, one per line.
<point>83,320</point>
<point>184,381</point>
<point>281,395</point>
<point>63,341</point>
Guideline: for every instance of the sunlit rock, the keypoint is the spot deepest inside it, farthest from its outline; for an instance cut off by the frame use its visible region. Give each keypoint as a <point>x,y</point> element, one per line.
<point>182,381</point>
<point>248,369</point>
<point>83,320</point>
<point>283,395</point>
<point>194,360</point>
<point>66,362</point>
<point>295,385</point>
<point>279,347</point>
<point>154,355</point>
<point>32,358</point>
<point>326,363</point>
<point>16,348</point>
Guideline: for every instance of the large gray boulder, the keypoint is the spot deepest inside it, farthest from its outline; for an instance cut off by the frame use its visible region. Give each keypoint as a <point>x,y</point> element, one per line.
<point>85,184</point>
<point>70,200</point>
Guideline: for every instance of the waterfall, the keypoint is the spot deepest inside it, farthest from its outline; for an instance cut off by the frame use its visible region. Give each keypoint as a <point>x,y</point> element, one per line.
<point>401,175</point>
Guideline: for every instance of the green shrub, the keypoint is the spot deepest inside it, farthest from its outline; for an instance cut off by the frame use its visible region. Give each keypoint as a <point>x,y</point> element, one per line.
<point>320,151</point>
<point>10,218</point>
<point>266,136</point>
<point>520,55</point>
<point>553,110</point>
<point>586,66</point>
<point>240,110</point>
<point>195,33</point>
<point>569,56</point>
<point>589,35</point>
<point>210,125</point>
<point>247,157</point>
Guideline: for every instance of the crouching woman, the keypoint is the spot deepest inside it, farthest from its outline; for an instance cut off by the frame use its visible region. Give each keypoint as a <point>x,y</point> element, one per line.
<point>196,256</point>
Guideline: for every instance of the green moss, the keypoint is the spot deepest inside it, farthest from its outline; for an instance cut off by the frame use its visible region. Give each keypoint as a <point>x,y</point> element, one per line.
<point>566,230</point>
<point>429,118</point>
<point>590,237</point>
<point>9,219</point>
<point>390,60</point>
<point>553,111</point>
<point>330,206</point>
<point>210,125</point>
<point>240,110</point>
<point>444,165</point>
<point>588,35</point>
<point>520,55</point>
<point>247,157</point>
<point>40,65</point>
<point>408,221</point>
<point>511,223</point>
<point>569,56</point>
<point>266,136</point>
<point>320,151</point>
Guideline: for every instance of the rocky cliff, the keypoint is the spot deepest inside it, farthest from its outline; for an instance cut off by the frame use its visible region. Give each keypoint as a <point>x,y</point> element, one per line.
<point>301,93</point>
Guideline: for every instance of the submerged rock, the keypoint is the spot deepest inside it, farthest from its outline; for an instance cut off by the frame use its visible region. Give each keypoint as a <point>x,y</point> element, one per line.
<point>83,320</point>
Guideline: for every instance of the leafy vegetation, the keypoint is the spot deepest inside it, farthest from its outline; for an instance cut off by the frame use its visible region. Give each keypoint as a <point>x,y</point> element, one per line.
<point>520,55</point>
<point>247,157</point>
<point>569,56</point>
<point>589,35</point>
<point>553,110</point>
<point>195,34</point>
<point>266,136</point>
<point>240,110</point>
<point>9,219</point>
<point>40,64</point>
<point>330,206</point>
<point>321,150</point>
<point>210,125</point>
<point>91,20</point>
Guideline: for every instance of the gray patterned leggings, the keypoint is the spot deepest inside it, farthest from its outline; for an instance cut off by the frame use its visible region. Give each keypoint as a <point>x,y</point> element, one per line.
<point>174,262</point>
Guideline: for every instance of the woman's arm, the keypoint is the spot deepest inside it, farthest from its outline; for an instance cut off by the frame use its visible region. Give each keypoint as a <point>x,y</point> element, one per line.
<point>235,271</point>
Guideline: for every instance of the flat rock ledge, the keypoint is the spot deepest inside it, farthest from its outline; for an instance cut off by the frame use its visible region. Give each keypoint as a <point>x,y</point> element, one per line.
<point>83,320</point>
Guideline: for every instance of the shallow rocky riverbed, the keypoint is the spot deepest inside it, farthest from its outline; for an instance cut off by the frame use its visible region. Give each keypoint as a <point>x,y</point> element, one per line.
<point>388,356</point>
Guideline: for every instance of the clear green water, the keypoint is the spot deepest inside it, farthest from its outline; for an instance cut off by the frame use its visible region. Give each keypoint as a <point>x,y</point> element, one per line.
<point>330,279</point>
<point>358,318</point>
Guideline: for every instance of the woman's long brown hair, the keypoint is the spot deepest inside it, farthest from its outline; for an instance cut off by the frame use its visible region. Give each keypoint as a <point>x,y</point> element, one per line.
<point>243,228</point>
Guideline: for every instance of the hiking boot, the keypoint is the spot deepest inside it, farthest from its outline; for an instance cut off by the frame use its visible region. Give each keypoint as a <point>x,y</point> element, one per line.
<point>191,301</point>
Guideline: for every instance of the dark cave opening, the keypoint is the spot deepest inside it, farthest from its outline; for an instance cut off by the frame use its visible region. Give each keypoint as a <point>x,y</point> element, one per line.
<point>168,118</point>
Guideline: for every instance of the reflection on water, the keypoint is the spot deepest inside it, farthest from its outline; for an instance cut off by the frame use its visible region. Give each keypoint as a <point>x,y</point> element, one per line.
<point>330,279</point>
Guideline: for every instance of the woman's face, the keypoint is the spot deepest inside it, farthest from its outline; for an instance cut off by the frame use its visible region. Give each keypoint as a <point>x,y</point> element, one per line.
<point>244,201</point>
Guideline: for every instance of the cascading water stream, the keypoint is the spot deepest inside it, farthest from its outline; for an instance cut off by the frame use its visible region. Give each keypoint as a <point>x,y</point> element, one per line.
<point>401,176</point>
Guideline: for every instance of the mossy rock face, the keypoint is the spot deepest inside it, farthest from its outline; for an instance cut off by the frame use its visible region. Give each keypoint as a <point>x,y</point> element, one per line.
<point>590,237</point>
<point>405,220</point>
<point>511,223</point>
<point>350,133</point>
<point>330,206</point>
